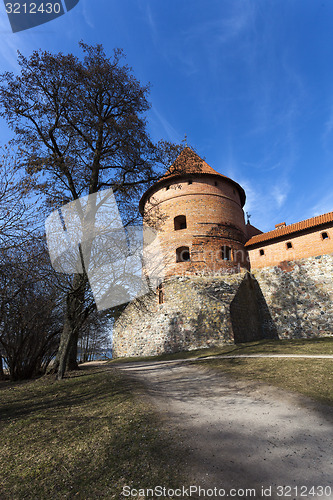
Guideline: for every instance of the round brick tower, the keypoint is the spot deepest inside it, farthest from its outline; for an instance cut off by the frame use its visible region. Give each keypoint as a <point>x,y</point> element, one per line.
<point>198,214</point>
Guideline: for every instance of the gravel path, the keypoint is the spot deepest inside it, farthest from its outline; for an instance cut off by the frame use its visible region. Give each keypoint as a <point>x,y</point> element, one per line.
<point>243,435</point>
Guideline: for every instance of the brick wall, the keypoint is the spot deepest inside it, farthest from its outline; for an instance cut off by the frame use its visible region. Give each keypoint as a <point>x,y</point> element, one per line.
<point>306,244</point>
<point>214,219</point>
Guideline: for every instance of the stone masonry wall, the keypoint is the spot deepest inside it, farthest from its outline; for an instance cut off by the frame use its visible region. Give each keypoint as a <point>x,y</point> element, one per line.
<point>195,314</point>
<point>292,300</point>
<point>299,295</point>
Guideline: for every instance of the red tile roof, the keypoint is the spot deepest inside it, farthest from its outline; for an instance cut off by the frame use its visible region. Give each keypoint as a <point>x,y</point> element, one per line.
<point>291,229</point>
<point>187,163</point>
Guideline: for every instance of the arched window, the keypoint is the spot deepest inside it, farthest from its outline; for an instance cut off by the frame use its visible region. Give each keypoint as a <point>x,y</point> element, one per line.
<point>183,254</point>
<point>226,253</point>
<point>180,222</point>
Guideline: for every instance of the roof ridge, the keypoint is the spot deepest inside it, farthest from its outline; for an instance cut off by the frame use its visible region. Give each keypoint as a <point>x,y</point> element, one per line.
<point>295,227</point>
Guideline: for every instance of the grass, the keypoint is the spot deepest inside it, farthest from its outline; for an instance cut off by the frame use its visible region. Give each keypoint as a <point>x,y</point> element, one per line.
<point>310,377</point>
<point>84,437</point>
<point>94,432</point>
<point>294,346</point>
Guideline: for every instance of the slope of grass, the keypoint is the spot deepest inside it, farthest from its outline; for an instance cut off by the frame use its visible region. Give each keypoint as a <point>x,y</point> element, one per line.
<point>293,346</point>
<point>84,437</point>
<point>310,377</point>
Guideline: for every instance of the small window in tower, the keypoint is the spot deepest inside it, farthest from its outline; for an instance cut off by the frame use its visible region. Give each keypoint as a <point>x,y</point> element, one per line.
<point>215,183</point>
<point>324,236</point>
<point>180,222</point>
<point>167,187</point>
<point>226,253</point>
<point>190,181</point>
<point>160,293</point>
<point>289,245</point>
<point>183,254</point>
<point>262,251</point>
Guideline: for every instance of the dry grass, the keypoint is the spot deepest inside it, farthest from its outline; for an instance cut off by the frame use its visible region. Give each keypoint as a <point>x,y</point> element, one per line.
<point>294,346</point>
<point>310,377</point>
<point>94,432</point>
<point>84,437</point>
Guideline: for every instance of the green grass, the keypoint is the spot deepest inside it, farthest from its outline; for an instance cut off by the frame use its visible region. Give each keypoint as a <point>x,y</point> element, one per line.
<point>84,437</point>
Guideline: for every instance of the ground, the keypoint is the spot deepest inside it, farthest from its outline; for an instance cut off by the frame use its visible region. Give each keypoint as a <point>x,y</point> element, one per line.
<point>243,435</point>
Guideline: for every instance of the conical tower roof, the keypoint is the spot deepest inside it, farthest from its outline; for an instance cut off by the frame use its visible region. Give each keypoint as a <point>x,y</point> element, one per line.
<point>188,163</point>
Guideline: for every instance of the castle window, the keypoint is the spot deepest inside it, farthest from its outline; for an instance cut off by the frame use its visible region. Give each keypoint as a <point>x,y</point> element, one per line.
<point>190,181</point>
<point>180,222</point>
<point>160,294</point>
<point>289,245</point>
<point>183,254</point>
<point>215,183</point>
<point>324,236</point>
<point>226,253</point>
<point>167,187</point>
<point>262,251</point>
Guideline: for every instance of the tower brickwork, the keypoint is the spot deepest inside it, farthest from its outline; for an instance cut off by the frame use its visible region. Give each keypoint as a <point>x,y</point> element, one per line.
<point>199,216</point>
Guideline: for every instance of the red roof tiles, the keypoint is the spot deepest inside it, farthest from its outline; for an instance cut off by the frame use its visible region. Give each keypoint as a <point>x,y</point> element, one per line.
<point>292,228</point>
<point>188,163</point>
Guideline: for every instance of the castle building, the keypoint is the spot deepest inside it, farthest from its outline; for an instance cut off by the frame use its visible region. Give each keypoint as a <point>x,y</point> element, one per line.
<point>200,219</point>
<point>308,238</point>
<point>225,280</point>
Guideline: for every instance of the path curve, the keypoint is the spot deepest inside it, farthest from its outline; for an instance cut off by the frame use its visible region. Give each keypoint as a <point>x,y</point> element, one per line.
<point>243,435</point>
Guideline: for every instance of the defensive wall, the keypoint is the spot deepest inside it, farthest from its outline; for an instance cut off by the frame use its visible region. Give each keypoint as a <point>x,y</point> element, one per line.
<point>292,300</point>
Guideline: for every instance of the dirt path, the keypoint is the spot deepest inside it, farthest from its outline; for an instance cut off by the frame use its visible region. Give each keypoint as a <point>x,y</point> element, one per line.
<point>243,435</point>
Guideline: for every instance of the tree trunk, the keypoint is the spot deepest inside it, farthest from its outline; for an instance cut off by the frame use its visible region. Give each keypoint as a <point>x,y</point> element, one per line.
<point>72,363</point>
<point>2,374</point>
<point>74,318</point>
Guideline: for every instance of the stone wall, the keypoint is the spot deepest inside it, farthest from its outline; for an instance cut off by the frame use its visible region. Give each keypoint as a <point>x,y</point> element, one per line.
<point>299,295</point>
<point>292,300</point>
<point>197,312</point>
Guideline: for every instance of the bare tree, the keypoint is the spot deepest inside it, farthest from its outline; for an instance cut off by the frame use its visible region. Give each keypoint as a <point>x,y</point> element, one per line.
<point>31,309</point>
<point>81,128</point>
<point>94,339</point>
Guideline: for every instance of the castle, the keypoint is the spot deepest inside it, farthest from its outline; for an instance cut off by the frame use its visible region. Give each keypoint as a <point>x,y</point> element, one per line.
<point>225,280</point>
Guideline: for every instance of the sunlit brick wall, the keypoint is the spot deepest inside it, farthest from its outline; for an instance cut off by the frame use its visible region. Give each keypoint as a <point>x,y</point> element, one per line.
<point>306,244</point>
<point>214,219</point>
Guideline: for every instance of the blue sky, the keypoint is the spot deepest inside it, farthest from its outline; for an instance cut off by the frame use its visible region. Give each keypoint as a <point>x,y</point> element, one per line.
<point>249,81</point>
